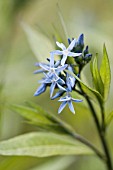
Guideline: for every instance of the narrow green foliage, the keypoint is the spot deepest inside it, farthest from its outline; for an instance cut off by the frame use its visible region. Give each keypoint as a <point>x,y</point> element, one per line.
<point>39,117</point>
<point>42,145</point>
<point>109,118</point>
<point>96,76</point>
<point>92,93</point>
<point>105,73</point>
<point>56,120</point>
<point>31,114</point>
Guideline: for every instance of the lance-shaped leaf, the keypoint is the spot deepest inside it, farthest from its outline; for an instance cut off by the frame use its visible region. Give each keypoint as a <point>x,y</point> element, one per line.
<point>105,73</point>
<point>41,118</point>
<point>43,145</point>
<point>92,93</point>
<point>31,114</point>
<point>96,76</point>
<point>109,118</point>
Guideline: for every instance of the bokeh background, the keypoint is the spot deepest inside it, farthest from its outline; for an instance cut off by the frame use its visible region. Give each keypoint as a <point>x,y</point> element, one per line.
<point>20,49</point>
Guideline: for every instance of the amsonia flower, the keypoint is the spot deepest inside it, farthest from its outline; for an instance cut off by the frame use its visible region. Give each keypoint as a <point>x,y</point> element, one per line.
<point>54,81</point>
<point>52,68</point>
<point>66,52</point>
<point>67,100</point>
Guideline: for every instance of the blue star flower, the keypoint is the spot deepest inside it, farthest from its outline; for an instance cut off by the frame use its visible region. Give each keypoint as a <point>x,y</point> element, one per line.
<point>53,68</point>
<point>54,80</point>
<point>67,100</point>
<point>66,52</point>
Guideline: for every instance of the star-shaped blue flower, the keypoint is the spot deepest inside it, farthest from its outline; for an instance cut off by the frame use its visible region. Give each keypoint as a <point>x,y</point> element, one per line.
<point>66,52</point>
<point>67,100</point>
<point>54,80</point>
<point>52,68</point>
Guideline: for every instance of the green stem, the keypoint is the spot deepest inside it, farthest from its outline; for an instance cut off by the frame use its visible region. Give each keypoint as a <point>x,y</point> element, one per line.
<point>103,117</point>
<point>101,134</point>
<point>82,140</point>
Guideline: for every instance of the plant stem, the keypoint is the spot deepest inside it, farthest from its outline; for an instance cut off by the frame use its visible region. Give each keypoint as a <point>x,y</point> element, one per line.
<point>101,134</point>
<point>103,117</point>
<point>84,141</point>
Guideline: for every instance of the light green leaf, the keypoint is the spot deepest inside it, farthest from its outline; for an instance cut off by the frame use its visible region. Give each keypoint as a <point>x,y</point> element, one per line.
<point>88,90</point>
<point>51,117</point>
<point>43,145</point>
<point>39,43</point>
<point>39,117</point>
<point>109,118</point>
<point>105,73</point>
<point>96,76</point>
<point>56,163</point>
<point>31,114</point>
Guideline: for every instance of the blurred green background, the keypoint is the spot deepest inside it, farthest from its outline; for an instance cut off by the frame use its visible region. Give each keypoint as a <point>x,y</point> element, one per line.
<point>17,59</point>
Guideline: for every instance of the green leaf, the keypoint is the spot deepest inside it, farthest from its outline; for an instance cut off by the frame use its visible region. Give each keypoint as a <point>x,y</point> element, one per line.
<point>56,163</point>
<point>31,114</point>
<point>39,117</point>
<point>105,73</point>
<point>51,117</point>
<point>92,93</point>
<point>39,43</point>
<point>96,76</point>
<point>43,145</point>
<point>109,118</point>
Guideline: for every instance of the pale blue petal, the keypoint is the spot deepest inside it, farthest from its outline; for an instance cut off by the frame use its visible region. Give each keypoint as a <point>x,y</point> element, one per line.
<point>39,71</point>
<point>44,66</point>
<point>58,94</point>
<point>71,107</point>
<point>61,68</point>
<point>63,60</point>
<point>76,100</point>
<point>62,107</point>
<point>51,60</point>
<point>68,84</point>
<point>52,87</point>
<point>61,45</point>
<point>72,81</point>
<point>61,81</point>
<point>40,89</point>
<point>66,98</point>
<point>71,45</point>
<point>57,63</point>
<point>60,87</point>
<point>57,52</point>
<point>71,54</point>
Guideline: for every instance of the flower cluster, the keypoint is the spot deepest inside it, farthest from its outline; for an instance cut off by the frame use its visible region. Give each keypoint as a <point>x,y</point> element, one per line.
<point>72,59</point>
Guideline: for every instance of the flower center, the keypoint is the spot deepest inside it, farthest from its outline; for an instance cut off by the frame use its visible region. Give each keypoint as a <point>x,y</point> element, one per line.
<point>66,52</point>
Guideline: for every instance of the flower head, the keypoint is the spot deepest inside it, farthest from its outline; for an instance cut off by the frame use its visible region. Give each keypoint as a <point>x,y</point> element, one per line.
<point>66,52</point>
<point>67,100</point>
